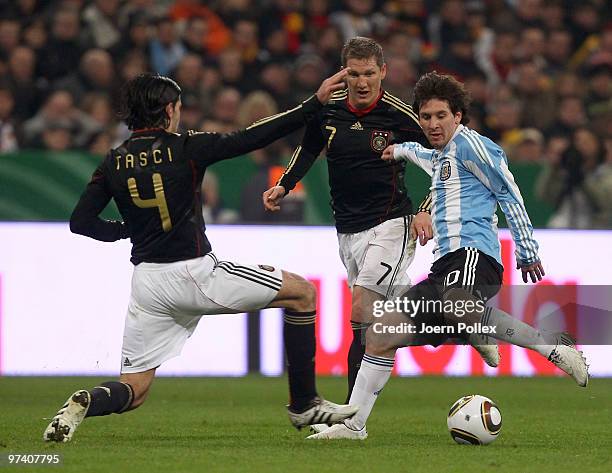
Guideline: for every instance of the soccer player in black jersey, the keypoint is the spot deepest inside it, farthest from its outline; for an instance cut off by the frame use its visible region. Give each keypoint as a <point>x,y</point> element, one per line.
<point>371,206</point>
<point>370,203</point>
<point>154,178</point>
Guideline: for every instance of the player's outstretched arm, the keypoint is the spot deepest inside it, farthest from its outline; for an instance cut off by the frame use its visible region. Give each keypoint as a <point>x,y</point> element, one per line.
<point>409,151</point>
<point>208,148</point>
<point>272,198</point>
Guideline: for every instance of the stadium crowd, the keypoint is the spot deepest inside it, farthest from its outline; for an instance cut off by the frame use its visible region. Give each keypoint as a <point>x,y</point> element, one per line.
<point>539,72</point>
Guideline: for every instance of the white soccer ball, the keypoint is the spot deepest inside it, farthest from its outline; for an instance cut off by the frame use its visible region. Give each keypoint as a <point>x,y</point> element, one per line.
<point>474,420</point>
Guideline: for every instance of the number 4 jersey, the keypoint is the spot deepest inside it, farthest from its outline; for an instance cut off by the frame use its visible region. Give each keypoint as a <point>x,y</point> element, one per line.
<point>155,178</point>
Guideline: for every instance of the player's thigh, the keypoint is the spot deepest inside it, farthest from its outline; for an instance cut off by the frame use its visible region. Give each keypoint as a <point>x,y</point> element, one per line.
<point>385,258</point>
<point>233,287</point>
<point>152,335</point>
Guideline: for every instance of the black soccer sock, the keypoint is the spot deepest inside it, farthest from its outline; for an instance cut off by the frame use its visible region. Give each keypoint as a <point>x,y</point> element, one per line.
<point>300,345</point>
<point>110,397</point>
<point>355,354</point>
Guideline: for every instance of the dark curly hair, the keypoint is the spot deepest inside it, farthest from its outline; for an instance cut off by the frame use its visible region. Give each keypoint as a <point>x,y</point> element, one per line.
<point>442,87</point>
<point>144,100</point>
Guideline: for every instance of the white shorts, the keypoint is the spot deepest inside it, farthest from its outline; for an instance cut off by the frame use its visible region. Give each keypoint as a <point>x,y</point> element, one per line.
<point>379,257</point>
<point>168,299</point>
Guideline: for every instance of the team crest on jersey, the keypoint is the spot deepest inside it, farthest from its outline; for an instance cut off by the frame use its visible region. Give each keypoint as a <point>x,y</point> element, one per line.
<point>445,170</point>
<point>379,140</point>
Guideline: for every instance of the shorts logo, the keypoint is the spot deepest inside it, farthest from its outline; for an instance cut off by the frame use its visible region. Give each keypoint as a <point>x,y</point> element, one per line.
<point>265,267</point>
<point>445,170</point>
<point>379,140</point>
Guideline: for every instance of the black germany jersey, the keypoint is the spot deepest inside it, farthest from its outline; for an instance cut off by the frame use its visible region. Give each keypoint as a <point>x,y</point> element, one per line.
<point>365,190</point>
<point>155,178</point>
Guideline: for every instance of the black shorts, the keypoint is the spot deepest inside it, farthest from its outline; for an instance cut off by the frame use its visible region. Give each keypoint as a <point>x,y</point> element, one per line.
<point>466,268</point>
<point>469,269</point>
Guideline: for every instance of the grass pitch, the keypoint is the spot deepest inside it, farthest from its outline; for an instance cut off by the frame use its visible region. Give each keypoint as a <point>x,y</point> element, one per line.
<point>240,425</point>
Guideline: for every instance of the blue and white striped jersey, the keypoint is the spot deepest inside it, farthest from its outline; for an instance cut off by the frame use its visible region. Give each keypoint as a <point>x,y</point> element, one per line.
<point>469,177</point>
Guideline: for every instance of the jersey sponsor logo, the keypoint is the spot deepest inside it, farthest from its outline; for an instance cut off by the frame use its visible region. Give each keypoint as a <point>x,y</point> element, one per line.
<point>445,170</point>
<point>357,126</point>
<point>379,140</point>
<point>265,267</point>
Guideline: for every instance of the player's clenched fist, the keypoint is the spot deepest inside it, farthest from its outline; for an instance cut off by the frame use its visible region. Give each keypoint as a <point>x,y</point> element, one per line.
<point>387,154</point>
<point>331,84</point>
<point>272,198</point>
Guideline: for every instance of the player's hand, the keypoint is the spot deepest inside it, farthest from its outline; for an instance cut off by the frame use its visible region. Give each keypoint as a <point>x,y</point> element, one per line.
<point>387,154</point>
<point>331,84</point>
<point>272,198</point>
<point>421,228</point>
<point>534,271</point>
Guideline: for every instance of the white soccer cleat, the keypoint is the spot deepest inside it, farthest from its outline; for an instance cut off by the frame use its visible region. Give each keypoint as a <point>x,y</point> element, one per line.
<point>487,348</point>
<point>569,359</point>
<point>340,431</point>
<point>321,412</point>
<point>68,418</point>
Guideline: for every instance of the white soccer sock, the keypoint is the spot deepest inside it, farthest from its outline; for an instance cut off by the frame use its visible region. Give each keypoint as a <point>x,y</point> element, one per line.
<point>371,379</point>
<point>512,330</point>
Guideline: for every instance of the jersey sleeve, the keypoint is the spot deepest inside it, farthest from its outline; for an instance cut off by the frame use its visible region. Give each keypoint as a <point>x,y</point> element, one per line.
<point>304,156</point>
<point>425,205</point>
<point>85,218</point>
<point>490,166</point>
<point>208,148</point>
<point>415,153</point>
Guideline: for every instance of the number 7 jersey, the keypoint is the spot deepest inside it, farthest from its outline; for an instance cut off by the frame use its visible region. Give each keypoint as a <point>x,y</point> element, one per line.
<point>365,190</point>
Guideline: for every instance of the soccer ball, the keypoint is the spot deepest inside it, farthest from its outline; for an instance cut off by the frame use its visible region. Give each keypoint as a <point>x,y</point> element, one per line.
<point>474,420</point>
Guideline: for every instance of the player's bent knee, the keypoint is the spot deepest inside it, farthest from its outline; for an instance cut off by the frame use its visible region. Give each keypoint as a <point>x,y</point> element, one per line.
<point>298,294</point>
<point>310,296</point>
<point>379,342</point>
<point>361,313</point>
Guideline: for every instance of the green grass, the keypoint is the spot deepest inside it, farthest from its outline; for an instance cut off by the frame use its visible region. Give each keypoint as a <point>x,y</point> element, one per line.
<point>240,425</point>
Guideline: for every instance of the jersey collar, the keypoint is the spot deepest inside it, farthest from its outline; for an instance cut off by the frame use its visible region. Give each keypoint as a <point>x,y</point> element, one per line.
<point>360,112</point>
<point>141,131</point>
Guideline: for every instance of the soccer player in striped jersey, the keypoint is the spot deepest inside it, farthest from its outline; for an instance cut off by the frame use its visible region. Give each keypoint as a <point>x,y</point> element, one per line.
<point>371,206</point>
<point>470,177</point>
<point>154,177</point>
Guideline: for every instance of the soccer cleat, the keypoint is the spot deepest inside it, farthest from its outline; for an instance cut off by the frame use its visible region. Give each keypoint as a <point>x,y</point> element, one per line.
<point>321,411</point>
<point>487,348</point>
<point>68,418</point>
<point>340,431</point>
<point>567,358</point>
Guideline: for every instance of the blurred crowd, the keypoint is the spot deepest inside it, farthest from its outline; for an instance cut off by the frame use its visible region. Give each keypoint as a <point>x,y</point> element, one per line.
<point>539,71</point>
